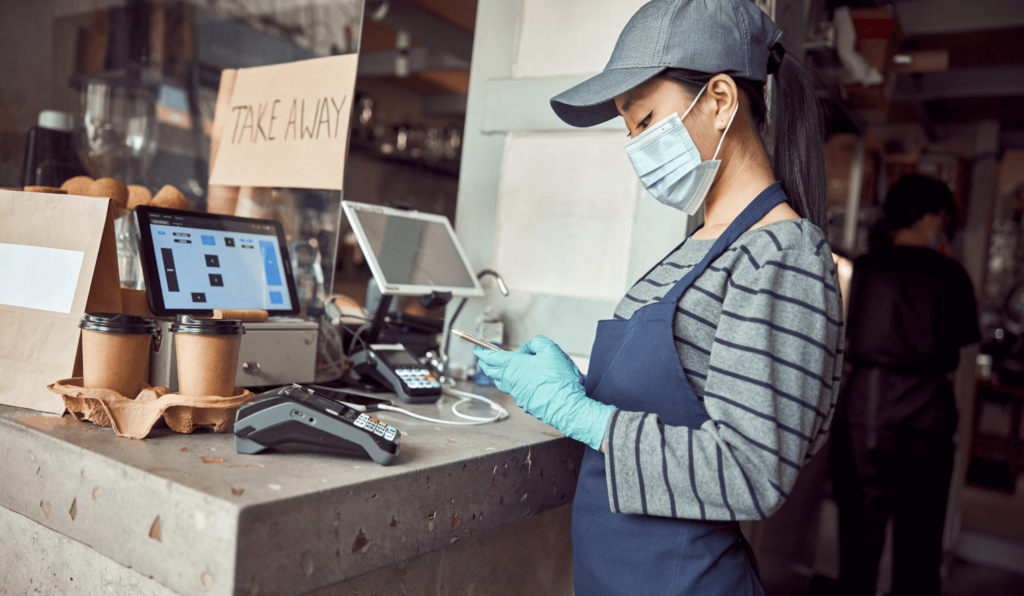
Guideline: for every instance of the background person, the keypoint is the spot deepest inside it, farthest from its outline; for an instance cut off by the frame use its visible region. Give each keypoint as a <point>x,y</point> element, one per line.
<point>911,310</point>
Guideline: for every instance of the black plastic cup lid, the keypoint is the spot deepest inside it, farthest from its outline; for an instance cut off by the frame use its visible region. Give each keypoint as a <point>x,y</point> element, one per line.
<point>186,324</point>
<point>106,322</point>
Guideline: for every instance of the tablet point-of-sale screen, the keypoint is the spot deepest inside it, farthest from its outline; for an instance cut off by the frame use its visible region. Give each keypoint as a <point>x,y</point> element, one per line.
<point>205,264</point>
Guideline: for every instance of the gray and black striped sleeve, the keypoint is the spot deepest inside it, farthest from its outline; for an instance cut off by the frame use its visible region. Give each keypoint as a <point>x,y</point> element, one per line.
<point>770,391</point>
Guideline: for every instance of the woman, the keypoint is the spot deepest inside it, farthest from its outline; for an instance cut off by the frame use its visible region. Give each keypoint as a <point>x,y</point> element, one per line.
<point>715,380</point>
<point>911,310</point>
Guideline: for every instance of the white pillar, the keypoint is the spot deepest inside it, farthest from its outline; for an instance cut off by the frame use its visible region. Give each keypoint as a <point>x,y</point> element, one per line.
<point>556,210</point>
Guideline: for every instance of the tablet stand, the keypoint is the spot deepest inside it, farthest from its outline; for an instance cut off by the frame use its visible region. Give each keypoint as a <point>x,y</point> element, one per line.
<point>432,301</point>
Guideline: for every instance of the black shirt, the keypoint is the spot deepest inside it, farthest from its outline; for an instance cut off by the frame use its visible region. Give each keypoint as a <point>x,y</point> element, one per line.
<point>910,311</point>
<point>910,308</point>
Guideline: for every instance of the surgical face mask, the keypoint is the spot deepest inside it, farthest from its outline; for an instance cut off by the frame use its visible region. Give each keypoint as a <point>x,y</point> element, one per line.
<point>669,165</point>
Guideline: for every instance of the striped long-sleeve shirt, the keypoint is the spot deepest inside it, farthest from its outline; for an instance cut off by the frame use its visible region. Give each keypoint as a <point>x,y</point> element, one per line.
<point>760,337</point>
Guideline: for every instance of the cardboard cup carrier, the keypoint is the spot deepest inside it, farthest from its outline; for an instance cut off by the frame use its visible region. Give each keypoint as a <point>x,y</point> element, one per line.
<point>113,391</point>
<point>207,352</point>
<point>115,351</point>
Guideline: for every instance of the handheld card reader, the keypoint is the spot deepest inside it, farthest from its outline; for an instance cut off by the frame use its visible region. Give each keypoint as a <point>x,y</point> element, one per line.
<point>394,367</point>
<point>297,414</point>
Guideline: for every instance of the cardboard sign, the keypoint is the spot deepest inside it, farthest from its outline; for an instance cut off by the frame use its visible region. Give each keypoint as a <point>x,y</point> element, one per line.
<point>287,125</point>
<point>58,260</point>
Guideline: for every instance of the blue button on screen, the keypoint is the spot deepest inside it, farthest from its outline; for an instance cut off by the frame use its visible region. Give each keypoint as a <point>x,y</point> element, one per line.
<point>209,240</point>
<point>275,298</point>
<point>269,252</point>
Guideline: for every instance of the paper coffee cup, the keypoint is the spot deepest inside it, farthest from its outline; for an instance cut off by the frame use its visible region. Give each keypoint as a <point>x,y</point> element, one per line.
<point>207,353</point>
<point>115,351</point>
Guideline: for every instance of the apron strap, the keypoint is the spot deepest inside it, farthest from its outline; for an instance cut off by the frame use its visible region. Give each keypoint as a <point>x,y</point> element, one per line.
<point>757,209</point>
<point>665,258</point>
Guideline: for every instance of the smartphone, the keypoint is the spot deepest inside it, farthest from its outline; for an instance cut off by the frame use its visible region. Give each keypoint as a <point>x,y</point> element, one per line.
<point>360,401</point>
<point>475,340</point>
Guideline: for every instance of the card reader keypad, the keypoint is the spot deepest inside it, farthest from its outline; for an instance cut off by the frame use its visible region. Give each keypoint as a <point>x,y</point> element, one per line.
<point>376,427</point>
<point>417,378</point>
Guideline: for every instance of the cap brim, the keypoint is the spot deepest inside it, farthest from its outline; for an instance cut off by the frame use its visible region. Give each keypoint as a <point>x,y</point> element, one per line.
<point>592,101</point>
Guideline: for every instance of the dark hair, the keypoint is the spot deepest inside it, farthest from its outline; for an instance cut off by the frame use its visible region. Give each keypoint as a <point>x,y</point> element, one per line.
<point>911,198</point>
<point>793,138</point>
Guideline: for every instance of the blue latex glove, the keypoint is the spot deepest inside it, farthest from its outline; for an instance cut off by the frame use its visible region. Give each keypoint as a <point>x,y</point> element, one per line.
<point>547,384</point>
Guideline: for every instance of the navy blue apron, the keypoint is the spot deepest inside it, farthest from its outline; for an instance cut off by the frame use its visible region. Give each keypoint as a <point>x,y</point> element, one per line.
<point>634,366</point>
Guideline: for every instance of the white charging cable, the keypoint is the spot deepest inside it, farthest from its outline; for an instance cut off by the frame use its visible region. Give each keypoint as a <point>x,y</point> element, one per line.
<point>464,397</point>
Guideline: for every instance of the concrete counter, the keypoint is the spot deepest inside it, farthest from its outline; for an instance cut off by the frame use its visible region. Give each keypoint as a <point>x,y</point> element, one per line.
<point>189,512</point>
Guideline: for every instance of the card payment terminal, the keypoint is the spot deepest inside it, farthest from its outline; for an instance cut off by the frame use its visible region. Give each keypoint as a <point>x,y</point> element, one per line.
<point>297,414</point>
<point>394,367</point>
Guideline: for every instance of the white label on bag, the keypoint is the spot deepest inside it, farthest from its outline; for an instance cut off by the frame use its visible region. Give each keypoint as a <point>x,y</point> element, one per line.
<point>39,278</point>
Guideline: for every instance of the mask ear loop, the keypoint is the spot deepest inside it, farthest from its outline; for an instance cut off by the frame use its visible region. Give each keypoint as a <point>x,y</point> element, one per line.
<point>722,140</point>
<point>695,99</point>
<point>719,148</point>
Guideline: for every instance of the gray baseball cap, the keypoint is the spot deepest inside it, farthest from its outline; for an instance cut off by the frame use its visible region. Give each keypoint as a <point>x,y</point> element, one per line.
<point>733,37</point>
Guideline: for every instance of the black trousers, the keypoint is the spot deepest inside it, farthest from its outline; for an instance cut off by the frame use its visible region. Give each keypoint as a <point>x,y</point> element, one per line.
<point>902,473</point>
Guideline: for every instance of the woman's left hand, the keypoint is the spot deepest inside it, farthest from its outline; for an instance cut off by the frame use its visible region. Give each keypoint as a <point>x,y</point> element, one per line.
<point>547,384</point>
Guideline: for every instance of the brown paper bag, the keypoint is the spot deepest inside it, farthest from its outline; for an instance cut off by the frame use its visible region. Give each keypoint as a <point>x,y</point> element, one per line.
<point>58,260</point>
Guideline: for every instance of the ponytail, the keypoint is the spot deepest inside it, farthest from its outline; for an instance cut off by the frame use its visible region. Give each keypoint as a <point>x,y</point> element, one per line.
<point>799,131</point>
<point>797,124</point>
